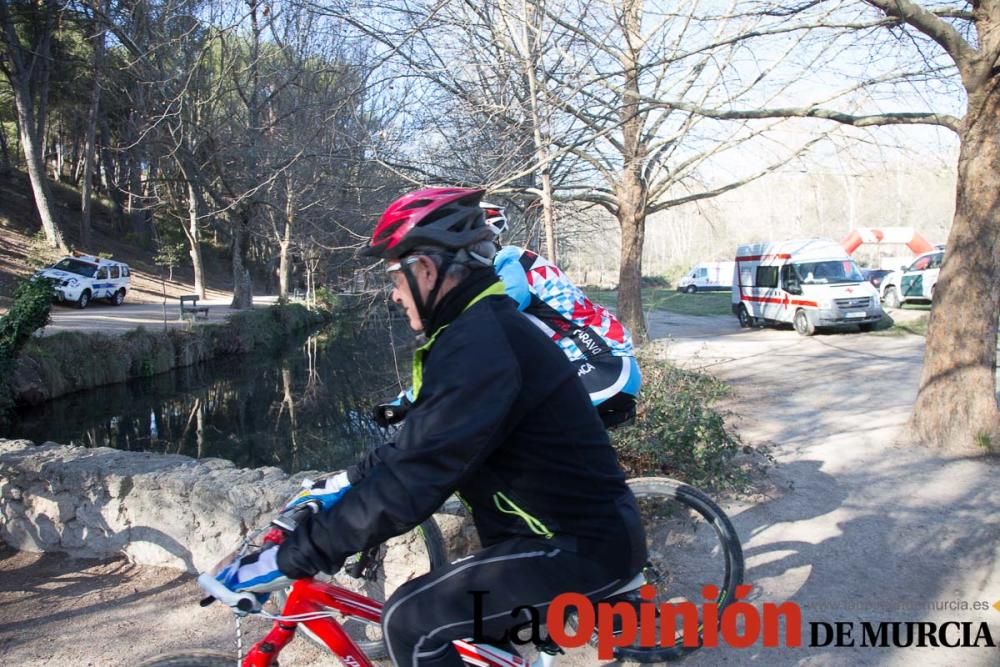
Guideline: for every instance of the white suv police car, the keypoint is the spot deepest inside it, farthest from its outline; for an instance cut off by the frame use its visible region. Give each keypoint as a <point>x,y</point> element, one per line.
<point>915,282</point>
<point>82,278</point>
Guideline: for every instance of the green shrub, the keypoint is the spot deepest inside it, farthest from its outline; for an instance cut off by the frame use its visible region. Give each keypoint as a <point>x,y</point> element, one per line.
<point>28,313</point>
<point>677,432</point>
<point>655,281</point>
<point>327,300</point>
<point>262,327</point>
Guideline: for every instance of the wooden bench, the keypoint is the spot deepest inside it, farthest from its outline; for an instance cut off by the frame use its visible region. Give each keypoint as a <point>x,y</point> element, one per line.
<point>193,309</point>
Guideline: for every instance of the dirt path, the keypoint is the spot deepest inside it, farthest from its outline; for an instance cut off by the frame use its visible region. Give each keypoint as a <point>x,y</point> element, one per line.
<point>863,527</point>
<point>868,528</point>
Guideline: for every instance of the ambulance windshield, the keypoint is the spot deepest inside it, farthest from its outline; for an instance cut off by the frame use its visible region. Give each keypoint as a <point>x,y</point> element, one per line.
<point>828,272</point>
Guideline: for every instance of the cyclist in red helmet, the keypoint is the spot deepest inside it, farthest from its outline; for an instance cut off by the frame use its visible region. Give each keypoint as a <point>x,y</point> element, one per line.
<point>590,336</point>
<point>499,417</point>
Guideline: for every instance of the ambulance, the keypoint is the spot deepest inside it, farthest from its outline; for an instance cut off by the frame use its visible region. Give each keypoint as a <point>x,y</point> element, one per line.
<point>807,283</point>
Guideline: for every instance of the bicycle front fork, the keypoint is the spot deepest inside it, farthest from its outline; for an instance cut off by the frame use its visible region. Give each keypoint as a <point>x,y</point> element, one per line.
<point>265,652</point>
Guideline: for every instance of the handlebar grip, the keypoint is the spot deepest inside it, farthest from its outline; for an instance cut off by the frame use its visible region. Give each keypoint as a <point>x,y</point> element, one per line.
<point>245,602</point>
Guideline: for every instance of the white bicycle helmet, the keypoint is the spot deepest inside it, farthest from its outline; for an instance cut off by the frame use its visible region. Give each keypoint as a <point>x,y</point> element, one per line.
<point>495,217</point>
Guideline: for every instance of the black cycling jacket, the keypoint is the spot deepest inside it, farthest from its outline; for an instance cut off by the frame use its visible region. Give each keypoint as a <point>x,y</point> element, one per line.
<point>501,418</point>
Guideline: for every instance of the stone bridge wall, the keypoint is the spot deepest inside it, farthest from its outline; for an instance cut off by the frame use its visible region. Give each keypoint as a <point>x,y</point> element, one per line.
<point>165,510</point>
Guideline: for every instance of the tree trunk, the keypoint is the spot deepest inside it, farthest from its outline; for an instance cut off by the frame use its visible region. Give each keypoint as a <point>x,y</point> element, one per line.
<point>193,235</point>
<point>4,153</point>
<point>284,267</point>
<point>89,149</point>
<point>531,19</point>
<point>113,170</point>
<point>27,70</point>
<point>956,405</point>
<point>60,166</point>
<point>36,174</point>
<point>632,221</point>
<point>548,217</point>
<point>285,243</point>
<point>631,191</point>
<point>242,286</point>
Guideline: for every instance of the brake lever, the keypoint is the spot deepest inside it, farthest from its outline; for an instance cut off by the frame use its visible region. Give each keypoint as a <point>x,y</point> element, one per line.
<point>289,521</point>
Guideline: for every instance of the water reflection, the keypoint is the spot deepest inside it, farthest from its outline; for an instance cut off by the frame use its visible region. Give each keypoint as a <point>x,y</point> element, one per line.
<point>305,407</point>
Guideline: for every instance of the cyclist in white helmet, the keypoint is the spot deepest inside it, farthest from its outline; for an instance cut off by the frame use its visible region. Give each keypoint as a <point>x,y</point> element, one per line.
<point>590,336</point>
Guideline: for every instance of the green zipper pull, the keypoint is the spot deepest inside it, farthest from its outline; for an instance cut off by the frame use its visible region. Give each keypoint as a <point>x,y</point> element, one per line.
<point>536,526</point>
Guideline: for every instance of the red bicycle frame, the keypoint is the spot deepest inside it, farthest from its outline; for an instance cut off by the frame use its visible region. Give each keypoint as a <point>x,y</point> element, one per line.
<point>308,596</point>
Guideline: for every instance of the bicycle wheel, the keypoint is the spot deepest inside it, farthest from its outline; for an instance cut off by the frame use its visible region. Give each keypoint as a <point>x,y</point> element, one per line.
<point>691,544</point>
<point>196,659</point>
<point>393,563</point>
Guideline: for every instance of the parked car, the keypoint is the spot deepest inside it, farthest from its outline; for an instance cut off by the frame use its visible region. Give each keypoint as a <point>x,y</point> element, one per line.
<point>875,276</point>
<point>708,276</point>
<point>808,283</point>
<point>79,279</point>
<point>915,282</point>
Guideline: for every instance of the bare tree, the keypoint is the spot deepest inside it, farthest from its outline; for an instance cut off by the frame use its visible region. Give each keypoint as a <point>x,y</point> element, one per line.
<point>553,90</point>
<point>97,39</point>
<point>26,35</point>
<point>956,405</point>
<point>634,159</point>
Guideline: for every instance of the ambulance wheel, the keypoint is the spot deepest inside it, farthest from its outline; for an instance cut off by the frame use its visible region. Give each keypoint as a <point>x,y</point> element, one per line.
<point>745,320</point>
<point>84,300</point>
<point>690,289</point>
<point>892,299</point>
<point>803,324</point>
<point>118,297</point>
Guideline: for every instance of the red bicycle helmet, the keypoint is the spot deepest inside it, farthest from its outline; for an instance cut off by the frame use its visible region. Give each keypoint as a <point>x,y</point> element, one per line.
<point>446,217</point>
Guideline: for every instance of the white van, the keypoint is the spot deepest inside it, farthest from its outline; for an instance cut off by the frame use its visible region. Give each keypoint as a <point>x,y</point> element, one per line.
<point>808,283</point>
<point>80,279</point>
<point>707,276</point>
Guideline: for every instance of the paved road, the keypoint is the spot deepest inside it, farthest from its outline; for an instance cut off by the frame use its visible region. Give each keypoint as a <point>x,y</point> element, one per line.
<point>105,318</point>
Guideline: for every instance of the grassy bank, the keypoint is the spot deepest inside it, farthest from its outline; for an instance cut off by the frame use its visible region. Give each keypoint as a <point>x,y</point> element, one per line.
<point>899,322</point>
<point>52,366</point>
<point>664,298</point>
<point>680,431</point>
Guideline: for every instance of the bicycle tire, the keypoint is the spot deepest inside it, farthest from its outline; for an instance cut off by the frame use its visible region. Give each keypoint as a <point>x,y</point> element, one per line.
<point>414,553</point>
<point>196,659</point>
<point>691,543</point>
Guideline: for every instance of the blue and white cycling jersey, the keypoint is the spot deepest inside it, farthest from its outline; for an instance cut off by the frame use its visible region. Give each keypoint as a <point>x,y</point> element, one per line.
<point>559,308</point>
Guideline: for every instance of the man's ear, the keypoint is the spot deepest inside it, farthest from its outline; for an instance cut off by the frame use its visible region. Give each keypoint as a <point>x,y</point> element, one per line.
<point>428,269</point>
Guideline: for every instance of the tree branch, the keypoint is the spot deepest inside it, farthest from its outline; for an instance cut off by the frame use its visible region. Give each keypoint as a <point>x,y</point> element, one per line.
<point>892,118</point>
<point>934,27</point>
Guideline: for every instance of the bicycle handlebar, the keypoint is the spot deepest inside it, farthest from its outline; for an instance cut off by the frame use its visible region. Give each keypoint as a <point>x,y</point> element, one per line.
<point>244,602</point>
